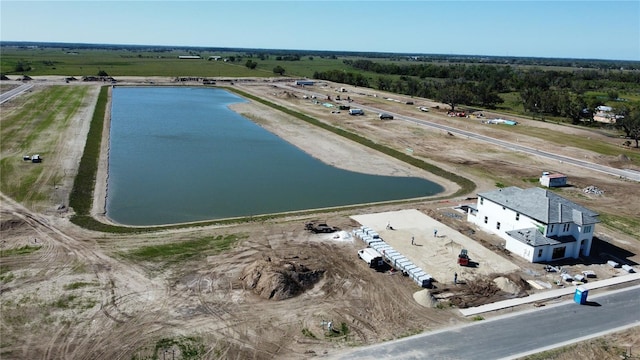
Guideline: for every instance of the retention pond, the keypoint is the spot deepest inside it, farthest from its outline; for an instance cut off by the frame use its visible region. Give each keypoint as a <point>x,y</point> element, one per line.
<point>180,155</point>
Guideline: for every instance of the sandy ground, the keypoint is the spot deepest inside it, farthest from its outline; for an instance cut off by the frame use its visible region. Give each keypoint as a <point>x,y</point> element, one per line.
<point>79,294</point>
<point>435,254</point>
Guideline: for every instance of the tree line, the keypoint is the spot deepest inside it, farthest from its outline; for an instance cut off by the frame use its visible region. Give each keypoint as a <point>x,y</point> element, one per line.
<point>555,93</point>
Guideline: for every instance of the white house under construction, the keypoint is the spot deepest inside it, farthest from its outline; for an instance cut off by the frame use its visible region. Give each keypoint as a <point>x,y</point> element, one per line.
<point>537,224</point>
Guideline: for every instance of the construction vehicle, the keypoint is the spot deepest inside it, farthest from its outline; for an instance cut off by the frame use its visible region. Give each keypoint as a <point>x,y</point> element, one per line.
<point>320,227</point>
<point>463,258</point>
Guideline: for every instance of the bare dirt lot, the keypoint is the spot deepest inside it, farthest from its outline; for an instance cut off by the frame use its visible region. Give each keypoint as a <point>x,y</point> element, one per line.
<point>72,293</point>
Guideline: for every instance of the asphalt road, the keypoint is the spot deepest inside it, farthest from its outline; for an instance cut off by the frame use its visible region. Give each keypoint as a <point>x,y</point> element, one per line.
<point>517,334</point>
<point>4,97</point>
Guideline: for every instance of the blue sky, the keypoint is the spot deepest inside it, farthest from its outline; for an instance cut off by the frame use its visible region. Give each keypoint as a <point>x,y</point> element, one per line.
<point>561,28</point>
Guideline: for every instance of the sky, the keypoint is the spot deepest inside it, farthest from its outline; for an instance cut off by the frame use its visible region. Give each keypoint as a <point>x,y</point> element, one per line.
<point>557,29</point>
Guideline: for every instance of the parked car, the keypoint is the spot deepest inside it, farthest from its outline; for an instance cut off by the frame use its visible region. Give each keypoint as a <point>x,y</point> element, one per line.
<point>385,116</point>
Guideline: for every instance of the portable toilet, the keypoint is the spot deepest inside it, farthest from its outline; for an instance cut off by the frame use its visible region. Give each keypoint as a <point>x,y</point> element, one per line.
<point>580,296</point>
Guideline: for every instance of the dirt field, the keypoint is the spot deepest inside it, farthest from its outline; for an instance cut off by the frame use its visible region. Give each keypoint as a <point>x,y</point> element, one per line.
<point>74,293</point>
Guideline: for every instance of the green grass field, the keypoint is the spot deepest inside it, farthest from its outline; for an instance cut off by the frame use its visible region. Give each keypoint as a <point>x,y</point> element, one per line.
<point>88,62</point>
<point>578,142</point>
<point>182,251</point>
<point>44,113</point>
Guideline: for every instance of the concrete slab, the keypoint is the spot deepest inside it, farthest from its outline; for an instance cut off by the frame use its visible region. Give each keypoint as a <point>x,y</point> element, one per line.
<point>436,255</point>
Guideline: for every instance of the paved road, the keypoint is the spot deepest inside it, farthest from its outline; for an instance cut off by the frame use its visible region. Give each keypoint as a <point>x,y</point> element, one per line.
<point>4,97</point>
<point>627,174</point>
<point>515,335</point>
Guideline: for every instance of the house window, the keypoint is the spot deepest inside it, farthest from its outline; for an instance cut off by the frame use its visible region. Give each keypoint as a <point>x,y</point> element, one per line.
<point>517,217</point>
<point>539,252</point>
<point>587,229</point>
<point>566,227</point>
<point>486,220</point>
<point>498,225</point>
<point>558,253</point>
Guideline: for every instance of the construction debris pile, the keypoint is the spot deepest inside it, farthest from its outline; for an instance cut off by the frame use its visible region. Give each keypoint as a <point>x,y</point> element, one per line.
<point>279,279</point>
<point>593,190</point>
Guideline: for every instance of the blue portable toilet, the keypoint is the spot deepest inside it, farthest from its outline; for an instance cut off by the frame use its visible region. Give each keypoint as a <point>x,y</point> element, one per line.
<point>580,296</point>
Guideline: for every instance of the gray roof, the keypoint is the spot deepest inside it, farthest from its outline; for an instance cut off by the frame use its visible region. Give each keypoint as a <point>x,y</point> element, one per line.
<point>533,237</point>
<point>542,205</point>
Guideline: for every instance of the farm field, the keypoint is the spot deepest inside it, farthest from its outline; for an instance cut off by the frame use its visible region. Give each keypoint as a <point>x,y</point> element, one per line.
<point>88,62</point>
<point>190,292</point>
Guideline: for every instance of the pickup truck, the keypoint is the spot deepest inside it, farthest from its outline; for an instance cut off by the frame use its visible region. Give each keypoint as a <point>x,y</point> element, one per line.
<point>320,227</point>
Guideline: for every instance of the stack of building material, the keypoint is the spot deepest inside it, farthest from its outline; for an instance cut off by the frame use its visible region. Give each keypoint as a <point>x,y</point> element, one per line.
<point>393,257</point>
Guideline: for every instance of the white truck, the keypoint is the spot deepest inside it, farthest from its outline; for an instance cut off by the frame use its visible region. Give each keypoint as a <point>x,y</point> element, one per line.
<point>371,257</point>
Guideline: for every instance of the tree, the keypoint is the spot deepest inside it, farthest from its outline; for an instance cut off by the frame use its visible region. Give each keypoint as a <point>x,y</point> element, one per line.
<point>102,73</point>
<point>278,70</point>
<point>455,93</point>
<point>384,83</point>
<point>630,124</point>
<point>487,97</point>
<point>251,64</point>
<point>22,66</point>
<point>573,107</point>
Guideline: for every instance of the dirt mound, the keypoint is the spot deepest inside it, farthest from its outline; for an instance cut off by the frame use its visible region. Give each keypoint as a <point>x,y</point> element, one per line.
<point>623,158</point>
<point>506,285</point>
<point>286,95</point>
<point>278,279</point>
<point>476,292</point>
<point>425,298</point>
<point>9,224</point>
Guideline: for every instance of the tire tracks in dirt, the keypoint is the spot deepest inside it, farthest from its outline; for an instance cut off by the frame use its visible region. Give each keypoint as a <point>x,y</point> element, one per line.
<point>121,302</point>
